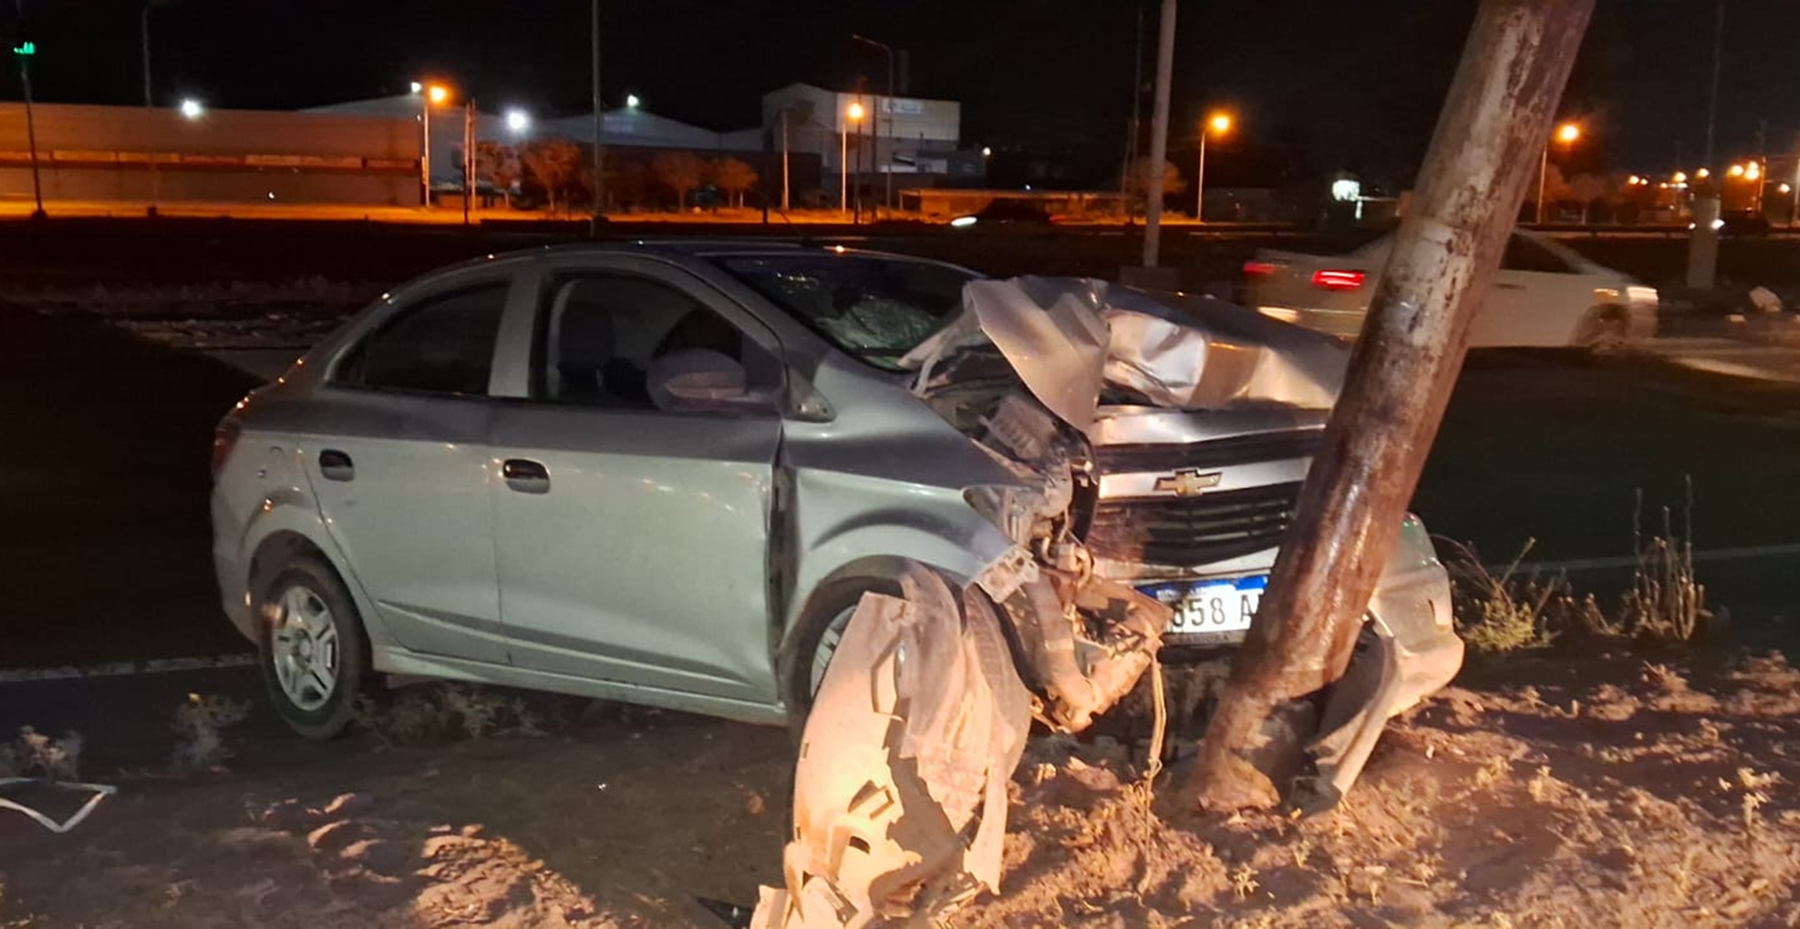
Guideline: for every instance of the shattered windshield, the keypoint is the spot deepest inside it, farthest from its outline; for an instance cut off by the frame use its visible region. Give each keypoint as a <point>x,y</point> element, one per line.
<point>874,307</point>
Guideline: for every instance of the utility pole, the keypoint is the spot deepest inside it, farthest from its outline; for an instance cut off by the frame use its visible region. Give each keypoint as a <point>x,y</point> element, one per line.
<point>600,150</point>
<point>1703,243</point>
<point>25,52</point>
<point>1514,67</point>
<point>144,30</point>
<point>1137,106</point>
<point>784,159</point>
<point>1159,136</point>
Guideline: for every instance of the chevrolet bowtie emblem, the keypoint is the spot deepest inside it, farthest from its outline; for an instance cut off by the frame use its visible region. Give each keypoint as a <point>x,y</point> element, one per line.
<point>1188,482</point>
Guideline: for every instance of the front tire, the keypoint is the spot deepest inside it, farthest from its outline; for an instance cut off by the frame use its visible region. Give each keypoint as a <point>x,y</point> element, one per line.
<point>1604,330</point>
<point>815,638</point>
<point>313,654</point>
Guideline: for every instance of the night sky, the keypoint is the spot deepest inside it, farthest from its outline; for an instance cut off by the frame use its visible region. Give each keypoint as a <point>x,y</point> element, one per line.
<point>1324,85</point>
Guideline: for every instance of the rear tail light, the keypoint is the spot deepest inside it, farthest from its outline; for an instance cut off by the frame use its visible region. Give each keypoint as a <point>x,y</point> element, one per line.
<point>1259,268</point>
<point>1337,280</point>
<point>225,439</point>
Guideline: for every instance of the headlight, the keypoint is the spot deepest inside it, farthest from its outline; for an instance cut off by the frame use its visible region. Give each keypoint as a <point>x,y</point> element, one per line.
<point>1013,509</point>
<point>962,222</point>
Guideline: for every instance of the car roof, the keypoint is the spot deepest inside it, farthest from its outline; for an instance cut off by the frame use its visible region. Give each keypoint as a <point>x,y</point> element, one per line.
<point>714,248</point>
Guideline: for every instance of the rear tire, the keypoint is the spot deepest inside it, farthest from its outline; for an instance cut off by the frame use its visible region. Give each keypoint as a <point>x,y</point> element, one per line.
<point>312,651</point>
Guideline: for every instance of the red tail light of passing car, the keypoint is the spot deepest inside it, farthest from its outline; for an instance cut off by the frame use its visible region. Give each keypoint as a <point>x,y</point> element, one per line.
<point>1337,280</point>
<point>1259,268</point>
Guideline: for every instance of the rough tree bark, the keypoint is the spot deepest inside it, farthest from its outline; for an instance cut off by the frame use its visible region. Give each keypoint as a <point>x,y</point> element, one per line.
<point>1445,254</point>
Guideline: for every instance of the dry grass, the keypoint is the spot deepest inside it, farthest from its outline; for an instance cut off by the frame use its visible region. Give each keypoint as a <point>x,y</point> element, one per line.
<point>1519,609</point>
<point>435,713</point>
<point>34,754</point>
<point>200,726</point>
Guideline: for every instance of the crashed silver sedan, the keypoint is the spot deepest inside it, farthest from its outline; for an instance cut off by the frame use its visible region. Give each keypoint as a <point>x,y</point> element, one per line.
<point>690,474</point>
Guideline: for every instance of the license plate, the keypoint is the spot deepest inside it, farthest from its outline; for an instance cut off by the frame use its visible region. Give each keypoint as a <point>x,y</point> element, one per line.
<point>1217,610</point>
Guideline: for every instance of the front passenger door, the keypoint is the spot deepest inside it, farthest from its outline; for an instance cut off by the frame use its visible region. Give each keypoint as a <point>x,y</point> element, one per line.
<point>632,517</point>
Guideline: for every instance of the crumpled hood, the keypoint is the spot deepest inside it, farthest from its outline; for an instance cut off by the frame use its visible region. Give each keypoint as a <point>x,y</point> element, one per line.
<point>1068,338</point>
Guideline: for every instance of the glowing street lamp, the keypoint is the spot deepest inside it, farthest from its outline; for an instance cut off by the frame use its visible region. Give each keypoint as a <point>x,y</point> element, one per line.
<point>987,152</point>
<point>518,122</point>
<point>1752,171</point>
<point>1566,133</point>
<point>1634,180</point>
<point>192,109</point>
<point>1735,171</point>
<point>632,101</point>
<point>1680,177</point>
<point>1216,124</point>
<point>1702,174</point>
<point>853,114</point>
<point>430,95</point>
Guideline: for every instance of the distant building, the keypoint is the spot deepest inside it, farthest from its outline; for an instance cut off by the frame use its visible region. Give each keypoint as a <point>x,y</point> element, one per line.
<point>622,128</point>
<point>901,135</point>
<point>141,154</point>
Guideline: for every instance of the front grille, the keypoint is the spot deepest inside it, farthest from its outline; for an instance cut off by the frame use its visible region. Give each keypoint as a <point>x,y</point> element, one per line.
<point>1194,530</point>
<point>1237,450</point>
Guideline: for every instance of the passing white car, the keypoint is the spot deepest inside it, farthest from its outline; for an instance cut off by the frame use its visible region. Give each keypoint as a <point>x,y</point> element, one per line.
<point>1546,295</point>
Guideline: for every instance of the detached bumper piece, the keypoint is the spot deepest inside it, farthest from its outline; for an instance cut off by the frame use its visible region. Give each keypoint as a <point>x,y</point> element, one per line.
<point>900,792</point>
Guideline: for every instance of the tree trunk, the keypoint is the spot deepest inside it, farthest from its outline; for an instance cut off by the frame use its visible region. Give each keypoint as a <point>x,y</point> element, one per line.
<point>1514,66</point>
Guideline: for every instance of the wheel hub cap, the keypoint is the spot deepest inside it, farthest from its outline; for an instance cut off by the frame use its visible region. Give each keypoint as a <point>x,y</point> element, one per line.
<point>304,647</point>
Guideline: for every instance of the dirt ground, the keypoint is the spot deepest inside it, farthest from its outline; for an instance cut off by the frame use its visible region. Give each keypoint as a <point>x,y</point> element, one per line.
<point>1610,789</point>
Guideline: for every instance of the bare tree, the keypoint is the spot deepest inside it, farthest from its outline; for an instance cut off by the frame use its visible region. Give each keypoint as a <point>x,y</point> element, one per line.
<point>555,164</point>
<point>683,172</point>
<point>732,176</point>
<point>1586,189</point>
<point>1556,190</point>
<point>500,165</point>
<point>1173,183</point>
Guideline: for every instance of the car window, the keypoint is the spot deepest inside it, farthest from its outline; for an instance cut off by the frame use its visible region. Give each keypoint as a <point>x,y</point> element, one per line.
<point>621,341</point>
<point>443,344</point>
<point>875,308</point>
<point>1522,254</point>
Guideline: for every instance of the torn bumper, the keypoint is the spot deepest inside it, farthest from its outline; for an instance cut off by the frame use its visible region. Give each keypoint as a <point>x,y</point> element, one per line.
<point>900,792</point>
<point>1408,651</point>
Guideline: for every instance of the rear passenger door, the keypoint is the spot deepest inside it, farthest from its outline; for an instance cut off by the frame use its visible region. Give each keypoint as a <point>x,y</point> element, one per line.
<point>1538,299</point>
<point>632,513</point>
<point>401,472</point>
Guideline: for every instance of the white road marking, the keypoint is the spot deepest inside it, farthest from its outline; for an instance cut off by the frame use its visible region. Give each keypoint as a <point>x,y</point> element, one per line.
<point>125,668</point>
<point>1628,561</point>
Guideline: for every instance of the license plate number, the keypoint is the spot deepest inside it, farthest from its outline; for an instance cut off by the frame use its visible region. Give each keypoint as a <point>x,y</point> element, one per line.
<point>1217,610</point>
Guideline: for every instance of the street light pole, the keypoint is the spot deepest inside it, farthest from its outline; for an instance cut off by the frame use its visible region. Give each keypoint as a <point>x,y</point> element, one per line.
<point>599,143</point>
<point>1200,180</point>
<point>425,150</point>
<point>784,159</point>
<point>144,31</point>
<point>888,198</point>
<point>24,56</point>
<point>1543,175</point>
<point>468,157</point>
<point>844,167</point>
<point>1220,123</point>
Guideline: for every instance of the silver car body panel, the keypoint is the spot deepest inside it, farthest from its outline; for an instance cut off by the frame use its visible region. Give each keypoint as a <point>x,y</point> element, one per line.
<point>855,479</point>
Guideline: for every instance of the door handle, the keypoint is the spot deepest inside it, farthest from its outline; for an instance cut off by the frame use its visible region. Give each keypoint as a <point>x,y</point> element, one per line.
<point>336,466</point>
<point>1510,286</point>
<point>526,476</point>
